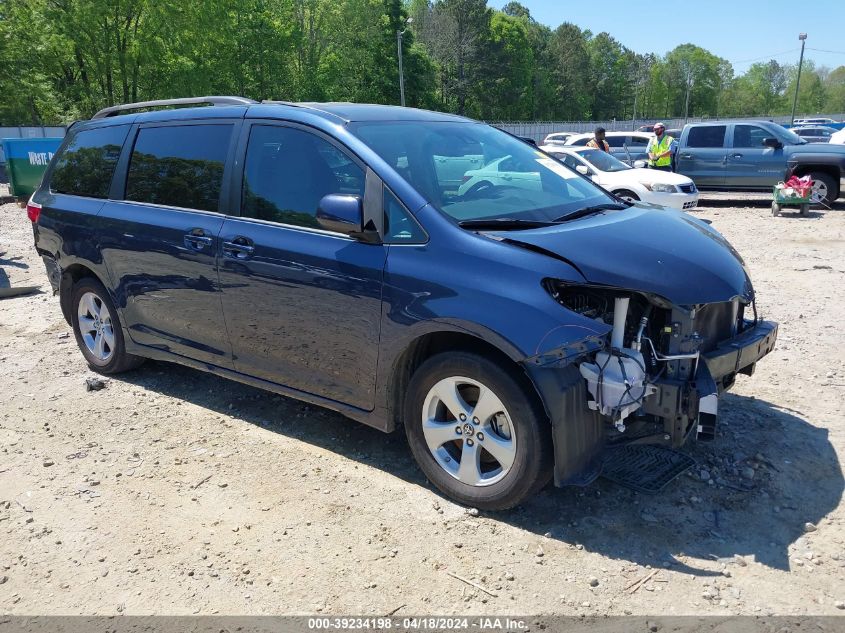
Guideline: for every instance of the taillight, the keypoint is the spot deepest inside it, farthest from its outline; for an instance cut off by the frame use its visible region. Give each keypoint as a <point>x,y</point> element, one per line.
<point>33,210</point>
<point>465,179</point>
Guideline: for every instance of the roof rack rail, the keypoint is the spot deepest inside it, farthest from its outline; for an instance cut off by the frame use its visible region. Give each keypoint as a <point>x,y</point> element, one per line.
<point>215,101</point>
<point>280,102</point>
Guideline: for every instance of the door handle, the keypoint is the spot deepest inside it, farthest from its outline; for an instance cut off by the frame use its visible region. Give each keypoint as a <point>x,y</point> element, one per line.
<point>197,242</point>
<point>686,155</point>
<point>238,248</point>
<point>736,156</point>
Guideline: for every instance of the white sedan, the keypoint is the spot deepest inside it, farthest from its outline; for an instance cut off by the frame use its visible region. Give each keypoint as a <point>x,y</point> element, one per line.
<point>665,188</point>
<point>838,137</point>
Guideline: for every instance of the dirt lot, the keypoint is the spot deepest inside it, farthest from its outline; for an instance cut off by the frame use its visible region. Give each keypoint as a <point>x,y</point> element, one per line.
<point>172,491</point>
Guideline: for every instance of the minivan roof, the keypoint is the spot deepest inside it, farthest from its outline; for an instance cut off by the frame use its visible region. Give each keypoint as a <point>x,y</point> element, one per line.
<point>334,112</point>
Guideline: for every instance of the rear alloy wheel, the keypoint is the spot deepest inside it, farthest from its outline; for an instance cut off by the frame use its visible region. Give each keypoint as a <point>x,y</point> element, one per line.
<point>824,189</point>
<point>476,432</point>
<point>97,329</point>
<point>627,196</point>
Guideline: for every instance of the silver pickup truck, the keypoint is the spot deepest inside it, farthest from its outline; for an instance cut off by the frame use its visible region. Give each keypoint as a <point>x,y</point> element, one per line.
<point>755,155</point>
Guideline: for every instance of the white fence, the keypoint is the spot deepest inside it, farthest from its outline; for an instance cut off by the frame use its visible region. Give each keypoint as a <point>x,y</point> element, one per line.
<point>539,129</point>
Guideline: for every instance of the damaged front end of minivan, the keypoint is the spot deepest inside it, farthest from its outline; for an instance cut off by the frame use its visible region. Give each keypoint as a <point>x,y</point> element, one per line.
<point>654,376</point>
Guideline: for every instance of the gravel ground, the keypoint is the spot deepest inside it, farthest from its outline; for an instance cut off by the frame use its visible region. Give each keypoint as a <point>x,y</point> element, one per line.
<point>174,492</point>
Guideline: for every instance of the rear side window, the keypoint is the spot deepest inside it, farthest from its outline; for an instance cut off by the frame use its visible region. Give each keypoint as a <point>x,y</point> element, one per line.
<point>707,136</point>
<point>86,166</point>
<point>179,165</point>
<point>616,141</point>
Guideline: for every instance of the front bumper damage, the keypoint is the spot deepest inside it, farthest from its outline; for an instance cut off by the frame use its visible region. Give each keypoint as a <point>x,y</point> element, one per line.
<point>680,405</point>
<point>691,406</point>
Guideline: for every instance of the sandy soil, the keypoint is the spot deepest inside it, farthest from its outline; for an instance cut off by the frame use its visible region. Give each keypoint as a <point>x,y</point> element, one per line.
<point>171,491</point>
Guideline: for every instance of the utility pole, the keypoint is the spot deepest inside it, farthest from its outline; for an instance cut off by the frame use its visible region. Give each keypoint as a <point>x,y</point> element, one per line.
<point>803,38</point>
<point>399,34</point>
<point>689,85</point>
<point>636,92</point>
<point>634,115</point>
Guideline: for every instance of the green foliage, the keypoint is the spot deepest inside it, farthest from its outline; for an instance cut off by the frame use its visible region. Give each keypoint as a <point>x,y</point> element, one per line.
<point>65,59</point>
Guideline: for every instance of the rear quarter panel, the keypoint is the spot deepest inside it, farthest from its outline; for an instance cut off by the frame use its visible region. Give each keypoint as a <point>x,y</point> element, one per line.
<point>68,229</point>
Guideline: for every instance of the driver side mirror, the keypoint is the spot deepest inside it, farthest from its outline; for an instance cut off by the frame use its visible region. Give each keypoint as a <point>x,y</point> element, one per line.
<point>639,164</point>
<point>341,213</point>
<point>583,170</point>
<point>772,142</point>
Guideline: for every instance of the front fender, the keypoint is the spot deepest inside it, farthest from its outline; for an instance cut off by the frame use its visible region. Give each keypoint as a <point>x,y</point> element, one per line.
<point>490,290</point>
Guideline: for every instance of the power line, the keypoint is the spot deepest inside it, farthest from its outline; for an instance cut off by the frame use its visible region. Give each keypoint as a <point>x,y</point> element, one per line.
<point>821,50</point>
<point>756,59</point>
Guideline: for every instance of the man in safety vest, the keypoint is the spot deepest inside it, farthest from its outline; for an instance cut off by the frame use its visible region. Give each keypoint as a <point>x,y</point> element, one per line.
<point>598,142</point>
<point>660,149</point>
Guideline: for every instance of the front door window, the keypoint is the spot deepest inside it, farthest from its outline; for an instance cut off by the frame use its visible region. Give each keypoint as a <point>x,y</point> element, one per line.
<point>288,171</point>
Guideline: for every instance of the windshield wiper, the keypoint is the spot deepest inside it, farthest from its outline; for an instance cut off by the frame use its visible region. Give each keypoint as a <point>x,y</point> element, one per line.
<point>503,223</point>
<point>596,208</point>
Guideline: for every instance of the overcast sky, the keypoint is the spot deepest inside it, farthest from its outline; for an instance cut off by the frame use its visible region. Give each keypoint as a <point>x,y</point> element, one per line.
<point>741,31</point>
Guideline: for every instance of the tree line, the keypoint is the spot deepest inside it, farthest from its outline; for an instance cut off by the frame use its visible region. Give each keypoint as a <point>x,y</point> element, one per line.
<point>64,59</point>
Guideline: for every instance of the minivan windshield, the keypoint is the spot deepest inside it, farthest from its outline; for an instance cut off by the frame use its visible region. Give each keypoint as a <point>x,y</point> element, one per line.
<point>471,171</point>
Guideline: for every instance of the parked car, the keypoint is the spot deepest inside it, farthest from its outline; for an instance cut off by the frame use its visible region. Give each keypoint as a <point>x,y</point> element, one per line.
<point>507,171</point>
<point>816,121</point>
<point>838,138</point>
<point>664,188</point>
<point>626,146</point>
<point>557,138</point>
<point>317,251</point>
<point>646,128</point>
<point>815,133</point>
<point>756,155</point>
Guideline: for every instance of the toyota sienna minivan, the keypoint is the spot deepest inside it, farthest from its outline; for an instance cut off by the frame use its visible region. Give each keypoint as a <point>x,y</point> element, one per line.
<point>328,252</point>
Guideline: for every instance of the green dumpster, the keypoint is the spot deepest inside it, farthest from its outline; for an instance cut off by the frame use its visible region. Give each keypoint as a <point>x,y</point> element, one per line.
<point>26,162</point>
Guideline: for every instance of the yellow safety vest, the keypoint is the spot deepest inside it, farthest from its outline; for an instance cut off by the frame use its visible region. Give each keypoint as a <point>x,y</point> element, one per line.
<point>659,147</point>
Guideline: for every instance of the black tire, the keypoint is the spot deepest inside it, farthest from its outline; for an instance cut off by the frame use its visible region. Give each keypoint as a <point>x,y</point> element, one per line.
<point>625,193</point>
<point>532,463</point>
<point>831,185</point>
<point>118,360</point>
<point>478,188</point>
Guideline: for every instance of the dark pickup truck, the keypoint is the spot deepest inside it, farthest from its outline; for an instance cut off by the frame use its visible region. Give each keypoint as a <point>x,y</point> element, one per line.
<point>756,155</point>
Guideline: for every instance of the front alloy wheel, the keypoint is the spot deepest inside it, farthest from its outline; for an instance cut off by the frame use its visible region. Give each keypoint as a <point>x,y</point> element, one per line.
<point>478,430</point>
<point>468,431</point>
<point>824,190</point>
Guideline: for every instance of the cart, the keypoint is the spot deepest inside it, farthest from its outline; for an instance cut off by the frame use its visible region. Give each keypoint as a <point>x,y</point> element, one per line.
<point>802,202</point>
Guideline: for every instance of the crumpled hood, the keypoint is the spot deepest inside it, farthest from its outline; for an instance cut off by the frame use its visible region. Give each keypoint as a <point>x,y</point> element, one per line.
<point>663,252</point>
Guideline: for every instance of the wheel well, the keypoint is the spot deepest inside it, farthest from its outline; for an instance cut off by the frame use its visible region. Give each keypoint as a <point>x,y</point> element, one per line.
<point>628,191</point>
<point>428,345</point>
<point>829,170</point>
<point>70,276</point>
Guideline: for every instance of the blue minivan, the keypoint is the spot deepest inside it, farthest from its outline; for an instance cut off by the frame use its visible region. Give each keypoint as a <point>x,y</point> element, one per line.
<point>327,252</point>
